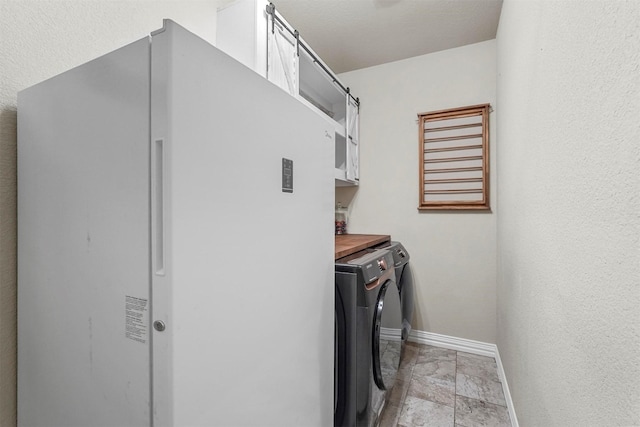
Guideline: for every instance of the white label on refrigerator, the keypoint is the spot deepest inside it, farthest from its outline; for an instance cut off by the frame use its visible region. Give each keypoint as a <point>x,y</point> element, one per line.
<point>136,323</point>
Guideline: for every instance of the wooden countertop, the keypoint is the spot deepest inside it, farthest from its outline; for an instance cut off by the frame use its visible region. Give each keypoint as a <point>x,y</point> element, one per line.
<point>347,244</point>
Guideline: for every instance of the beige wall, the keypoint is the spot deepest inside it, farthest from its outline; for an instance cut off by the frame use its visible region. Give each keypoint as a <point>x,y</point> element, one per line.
<point>39,39</point>
<point>453,254</point>
<point>569,218</point>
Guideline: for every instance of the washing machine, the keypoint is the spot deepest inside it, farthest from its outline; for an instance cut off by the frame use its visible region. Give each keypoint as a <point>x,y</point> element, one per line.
<point>404,280</point>
<point>368,336</point>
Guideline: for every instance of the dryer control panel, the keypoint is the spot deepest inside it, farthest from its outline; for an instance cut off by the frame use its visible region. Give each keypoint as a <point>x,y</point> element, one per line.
<point>372,264</point>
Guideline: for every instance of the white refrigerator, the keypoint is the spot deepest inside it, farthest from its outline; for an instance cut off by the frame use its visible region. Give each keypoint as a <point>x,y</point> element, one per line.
<point>175,244</point>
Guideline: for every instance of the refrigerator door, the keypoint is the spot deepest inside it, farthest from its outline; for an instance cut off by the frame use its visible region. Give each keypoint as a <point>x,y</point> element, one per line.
<point>83,245</point>
<point>244,283</point>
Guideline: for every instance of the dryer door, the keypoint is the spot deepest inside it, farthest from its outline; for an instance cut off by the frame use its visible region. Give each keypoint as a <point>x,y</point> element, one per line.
<point>387,336</point>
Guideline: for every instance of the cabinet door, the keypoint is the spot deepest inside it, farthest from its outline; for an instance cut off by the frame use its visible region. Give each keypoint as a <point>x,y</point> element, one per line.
<point>282,57</point>
<point>241,32</point>
<point>353,140</point>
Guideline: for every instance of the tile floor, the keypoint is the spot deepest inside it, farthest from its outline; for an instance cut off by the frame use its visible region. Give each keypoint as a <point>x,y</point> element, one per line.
<point>441,387</point>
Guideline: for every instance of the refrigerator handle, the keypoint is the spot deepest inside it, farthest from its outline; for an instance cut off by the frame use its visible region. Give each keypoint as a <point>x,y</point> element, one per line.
<point>157,194</point>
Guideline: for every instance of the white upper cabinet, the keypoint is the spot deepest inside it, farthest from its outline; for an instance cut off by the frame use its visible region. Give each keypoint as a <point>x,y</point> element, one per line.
<point>353,139</point>
<point>319,88</point>
<point>282,57</point>
<point>241,32</point>
<point>255,34</point>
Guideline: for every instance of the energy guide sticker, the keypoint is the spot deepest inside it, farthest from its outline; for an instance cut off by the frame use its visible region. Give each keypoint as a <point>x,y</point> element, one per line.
<point>136,324</point>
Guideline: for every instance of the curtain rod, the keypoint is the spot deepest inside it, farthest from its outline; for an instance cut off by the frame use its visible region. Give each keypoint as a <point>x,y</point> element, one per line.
<point>271,10</point>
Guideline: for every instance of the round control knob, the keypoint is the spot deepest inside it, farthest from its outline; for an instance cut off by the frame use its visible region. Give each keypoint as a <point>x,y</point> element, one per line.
<point>382,264</point>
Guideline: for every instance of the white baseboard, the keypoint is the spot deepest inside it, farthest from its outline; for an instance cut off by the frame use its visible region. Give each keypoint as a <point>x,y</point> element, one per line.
<point>505,389</point>
<point>453,343</point>
<point>469,346</point>
<point>390,334</point>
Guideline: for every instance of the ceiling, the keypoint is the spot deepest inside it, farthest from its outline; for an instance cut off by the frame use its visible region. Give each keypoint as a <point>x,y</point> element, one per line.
<point>353,34</point>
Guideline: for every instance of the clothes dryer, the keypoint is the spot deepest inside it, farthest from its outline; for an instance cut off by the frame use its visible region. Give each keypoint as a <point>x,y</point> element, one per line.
<point>368,336</point>
<point>404,280</point>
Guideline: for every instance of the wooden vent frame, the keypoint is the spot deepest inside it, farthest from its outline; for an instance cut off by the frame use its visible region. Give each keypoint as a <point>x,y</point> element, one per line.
<point>454,158</point>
